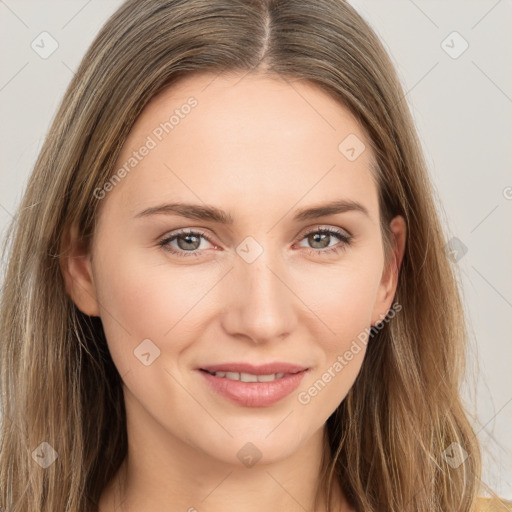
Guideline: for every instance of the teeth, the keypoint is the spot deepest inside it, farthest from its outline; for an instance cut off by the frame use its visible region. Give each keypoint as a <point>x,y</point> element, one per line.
<point>267,378</point>
<point>248,377</point>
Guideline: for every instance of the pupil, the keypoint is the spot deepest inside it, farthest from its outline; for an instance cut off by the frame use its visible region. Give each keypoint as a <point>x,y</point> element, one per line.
<point>187,241</point>
<point>317,238</point>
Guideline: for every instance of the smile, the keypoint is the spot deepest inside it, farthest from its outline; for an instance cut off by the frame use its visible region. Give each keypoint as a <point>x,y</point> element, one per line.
<point>250,390</point>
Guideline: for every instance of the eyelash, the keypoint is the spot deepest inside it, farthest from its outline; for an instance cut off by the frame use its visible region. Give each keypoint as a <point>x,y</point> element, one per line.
<point>345,239</point>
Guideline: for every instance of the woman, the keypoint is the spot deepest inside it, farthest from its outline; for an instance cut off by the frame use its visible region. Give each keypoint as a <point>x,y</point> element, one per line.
<point>227,281</point>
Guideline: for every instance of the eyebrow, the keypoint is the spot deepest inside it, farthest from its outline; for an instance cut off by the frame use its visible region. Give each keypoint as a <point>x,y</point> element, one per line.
<point>213,214</point>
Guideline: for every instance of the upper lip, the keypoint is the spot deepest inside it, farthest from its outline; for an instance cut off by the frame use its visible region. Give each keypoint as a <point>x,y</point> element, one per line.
<point>262,369</point>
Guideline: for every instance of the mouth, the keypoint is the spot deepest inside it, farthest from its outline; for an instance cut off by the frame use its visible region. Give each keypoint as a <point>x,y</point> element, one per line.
<point>253,386</point>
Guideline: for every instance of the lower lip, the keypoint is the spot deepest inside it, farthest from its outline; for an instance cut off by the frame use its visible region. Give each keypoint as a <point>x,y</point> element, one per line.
<point>254,394</point>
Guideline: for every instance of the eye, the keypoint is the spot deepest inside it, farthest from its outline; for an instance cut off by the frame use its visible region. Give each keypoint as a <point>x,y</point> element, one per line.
<point>321,237</point>
<point>188,243</point>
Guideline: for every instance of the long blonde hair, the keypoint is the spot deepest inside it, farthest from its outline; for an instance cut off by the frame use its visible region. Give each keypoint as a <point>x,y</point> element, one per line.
<point>59,384</point>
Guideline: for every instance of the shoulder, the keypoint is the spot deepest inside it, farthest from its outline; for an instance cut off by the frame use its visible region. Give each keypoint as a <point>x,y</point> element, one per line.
<point>493,505</point>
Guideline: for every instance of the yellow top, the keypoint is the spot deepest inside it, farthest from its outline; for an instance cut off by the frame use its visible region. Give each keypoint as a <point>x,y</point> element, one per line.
<point>493,505</point>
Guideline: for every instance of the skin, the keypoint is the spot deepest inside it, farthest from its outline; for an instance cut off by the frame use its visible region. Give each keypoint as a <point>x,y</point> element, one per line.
<point>260,148</point>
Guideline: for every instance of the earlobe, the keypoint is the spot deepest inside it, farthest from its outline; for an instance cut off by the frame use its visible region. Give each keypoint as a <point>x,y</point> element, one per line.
<point>75,264</point>
<point>389,281</point>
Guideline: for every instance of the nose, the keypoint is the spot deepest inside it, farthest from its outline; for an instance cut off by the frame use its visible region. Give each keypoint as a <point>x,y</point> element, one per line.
<point>261,303</point>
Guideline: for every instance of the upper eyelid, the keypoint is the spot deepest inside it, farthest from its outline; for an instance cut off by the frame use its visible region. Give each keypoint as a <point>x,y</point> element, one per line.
<point>327,228</point>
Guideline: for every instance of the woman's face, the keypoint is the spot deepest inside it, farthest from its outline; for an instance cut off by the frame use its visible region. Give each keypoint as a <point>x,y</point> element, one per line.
<point>246,161</point>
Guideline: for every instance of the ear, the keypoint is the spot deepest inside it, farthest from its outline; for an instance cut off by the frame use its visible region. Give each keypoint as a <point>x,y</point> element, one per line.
<point>75,264</point>
<point>389,280</point>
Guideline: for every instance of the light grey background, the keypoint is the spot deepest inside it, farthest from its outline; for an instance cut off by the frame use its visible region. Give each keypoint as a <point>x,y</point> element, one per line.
<point>462,107</point>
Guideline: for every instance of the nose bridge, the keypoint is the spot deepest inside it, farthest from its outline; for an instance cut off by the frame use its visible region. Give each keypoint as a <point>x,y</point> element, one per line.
<point>261,304</point>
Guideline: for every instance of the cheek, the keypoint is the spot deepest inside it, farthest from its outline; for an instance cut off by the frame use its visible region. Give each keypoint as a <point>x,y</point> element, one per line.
<point>342,298</point>
<point>134,306</point>
<point>141,300</point>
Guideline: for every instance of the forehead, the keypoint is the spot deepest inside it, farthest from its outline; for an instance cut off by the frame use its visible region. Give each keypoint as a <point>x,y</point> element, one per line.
<point>218,139</point>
